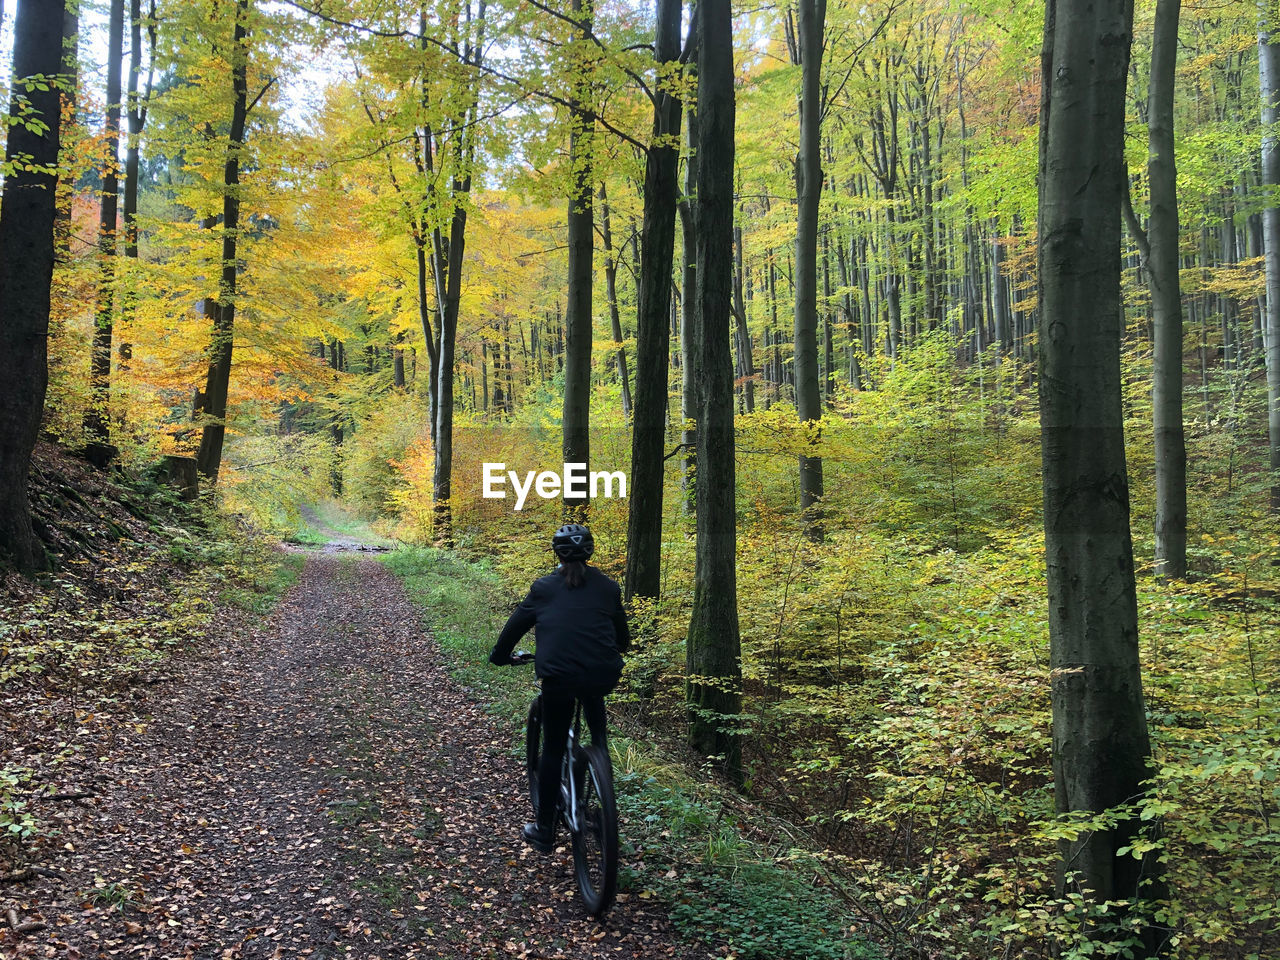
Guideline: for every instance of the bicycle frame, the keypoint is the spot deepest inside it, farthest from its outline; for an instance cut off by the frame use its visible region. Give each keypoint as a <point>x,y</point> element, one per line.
<point>586,803</point>
<point>568,782</point>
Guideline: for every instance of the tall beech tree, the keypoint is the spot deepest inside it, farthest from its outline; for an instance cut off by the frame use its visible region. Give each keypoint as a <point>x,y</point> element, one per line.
<point>28,206</point>
<point>1164,263</point>
<point>136,119</point>
<point>1100,744</point>
<point>211,403</point>
<point>423,111</point>
<point>713,646</point>
<point>70,90</point>
<point>1269,81</point>
<point>653,304</point>
<point>811,17</point>
<point>578,328</point>
<point>97,416</point>
<point>689,363</point>
<point>611,295</point>
<point>460,132</point>
<point>1158,244</point>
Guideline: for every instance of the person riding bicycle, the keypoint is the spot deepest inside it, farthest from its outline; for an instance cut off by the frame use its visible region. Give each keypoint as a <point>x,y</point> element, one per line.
<point>582,633</point>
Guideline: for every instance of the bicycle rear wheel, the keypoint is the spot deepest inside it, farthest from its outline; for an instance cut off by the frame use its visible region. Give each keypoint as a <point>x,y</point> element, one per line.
<point>595,843</point>
<point>533,750</point>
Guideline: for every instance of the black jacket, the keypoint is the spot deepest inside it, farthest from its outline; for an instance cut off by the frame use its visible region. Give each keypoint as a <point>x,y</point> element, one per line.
<point>581,635</point>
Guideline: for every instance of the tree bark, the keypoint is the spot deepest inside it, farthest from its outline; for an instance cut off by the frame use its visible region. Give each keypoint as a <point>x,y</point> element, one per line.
<point>425,264</point>
<point>442,473</point>
<point>213,407</point>
<point>136,120</point>
<point>809,179</point>
<point>1166,302</point>
<point>70,104</point>
<point>98,414</point>
<point>611,294</point>
<point>653,301</point>
<point>828,347</point>
<point>742,334</point>
<point>180,473</point>
<point>578,333</point>
<point>28,206</point>
<point>689,412</point>
<point>446,261</point>
<point>714,672</point>
<point>1269,73</point>
<point>999,297</point>
<point>1100,744</point>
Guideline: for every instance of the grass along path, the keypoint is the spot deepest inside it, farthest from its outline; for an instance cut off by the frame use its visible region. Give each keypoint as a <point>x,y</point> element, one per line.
<point>331,528</point>
<point>316,786</point>
<point>727,873</point>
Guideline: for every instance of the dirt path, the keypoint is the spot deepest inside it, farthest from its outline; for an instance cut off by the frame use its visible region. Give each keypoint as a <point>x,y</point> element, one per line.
<point>318,788</point>
<point>336,541</point>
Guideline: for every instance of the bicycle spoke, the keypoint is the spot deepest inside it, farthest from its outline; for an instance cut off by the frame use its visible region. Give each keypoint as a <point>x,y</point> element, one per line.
<point>595,844</point>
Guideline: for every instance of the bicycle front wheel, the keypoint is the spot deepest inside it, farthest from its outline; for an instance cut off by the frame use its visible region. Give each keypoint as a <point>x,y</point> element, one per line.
<point>595,843</point>
<point>533,750</point>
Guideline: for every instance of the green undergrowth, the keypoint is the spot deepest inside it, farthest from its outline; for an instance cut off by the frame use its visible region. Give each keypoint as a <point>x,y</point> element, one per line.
<point>259,587</point>
<point>685,842</point>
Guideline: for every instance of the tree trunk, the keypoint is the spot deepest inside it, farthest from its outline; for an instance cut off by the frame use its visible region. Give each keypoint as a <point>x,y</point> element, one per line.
<point>714,672</point>
<point>742,336</point>
<point>213,410</point>
<point>577,373</point>
<point>809,179</point>
<point>851,316</point>
<point>98,415</point>
<point>689,347</point>
<point>70,105</point>
<point>870,314</point>
<point>653,300</point>
<point>775,360</point>
<point>1166,303</point>
<point>424,270</point>
<point>27,209</point>
<point>137,118</point>
<point>611,294</point>
<point>180,473</point>
<point>1269,71</point>
<point>999,297</point>
<point>892,284</point>
<point>828,347</point>
<point>447,261</point>
<point>1100,745</point>
<point>442,473</point>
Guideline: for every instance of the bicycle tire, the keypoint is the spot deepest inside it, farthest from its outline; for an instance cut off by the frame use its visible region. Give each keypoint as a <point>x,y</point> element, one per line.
<point>595,843</point>
<point>533,750</point>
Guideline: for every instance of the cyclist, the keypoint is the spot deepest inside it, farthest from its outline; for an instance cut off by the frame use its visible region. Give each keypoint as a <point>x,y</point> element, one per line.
<point>582,632</point>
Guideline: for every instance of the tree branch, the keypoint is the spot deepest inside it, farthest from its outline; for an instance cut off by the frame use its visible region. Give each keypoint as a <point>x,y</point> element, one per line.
<point>1131,221</point>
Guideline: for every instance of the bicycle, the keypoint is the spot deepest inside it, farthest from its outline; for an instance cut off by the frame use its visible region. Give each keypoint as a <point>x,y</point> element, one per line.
<point>586,805</point>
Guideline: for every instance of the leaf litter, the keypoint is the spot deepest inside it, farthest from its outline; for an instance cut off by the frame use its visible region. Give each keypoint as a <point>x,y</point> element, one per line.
<point>312,785</point>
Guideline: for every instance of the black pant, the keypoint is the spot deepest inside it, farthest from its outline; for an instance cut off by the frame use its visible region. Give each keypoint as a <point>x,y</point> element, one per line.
<point>557,717</point>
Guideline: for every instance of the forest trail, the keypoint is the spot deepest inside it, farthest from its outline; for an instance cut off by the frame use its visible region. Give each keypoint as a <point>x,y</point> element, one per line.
<point>330,528</point>
<point>320,787</point>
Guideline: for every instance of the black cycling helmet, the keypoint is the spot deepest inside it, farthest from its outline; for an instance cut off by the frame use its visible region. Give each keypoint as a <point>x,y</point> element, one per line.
<point>573,541</point>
